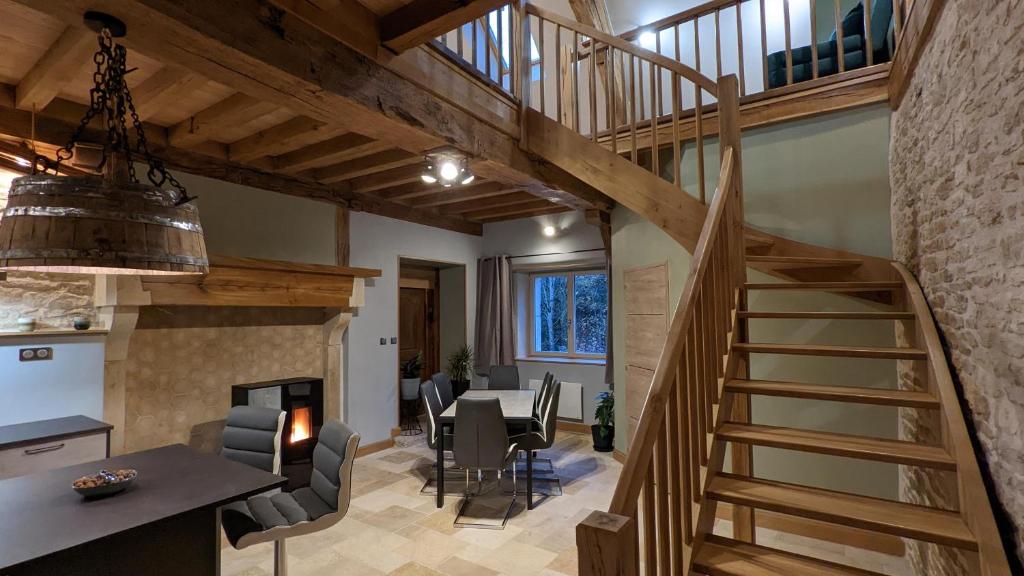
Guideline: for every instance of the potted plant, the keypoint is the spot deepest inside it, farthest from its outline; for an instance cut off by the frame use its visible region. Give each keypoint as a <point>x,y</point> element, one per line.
<point>411,377</point>
<point>604,430</point>
<point>460,369</point>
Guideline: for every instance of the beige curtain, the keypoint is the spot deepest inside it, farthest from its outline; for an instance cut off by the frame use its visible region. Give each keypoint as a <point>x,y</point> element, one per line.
<point>495,314</point>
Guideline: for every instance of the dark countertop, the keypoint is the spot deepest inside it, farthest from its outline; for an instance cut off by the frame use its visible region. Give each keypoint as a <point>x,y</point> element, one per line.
<point>15,435</point>
<point>40,514</point>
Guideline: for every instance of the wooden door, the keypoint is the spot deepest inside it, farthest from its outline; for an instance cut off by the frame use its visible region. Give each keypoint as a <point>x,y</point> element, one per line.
<point>646,297</point>
<point>417,328</point>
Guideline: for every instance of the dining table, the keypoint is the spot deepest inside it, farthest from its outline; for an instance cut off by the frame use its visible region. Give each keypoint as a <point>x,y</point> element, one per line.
<point>517,408</point>
<point>166,523</point>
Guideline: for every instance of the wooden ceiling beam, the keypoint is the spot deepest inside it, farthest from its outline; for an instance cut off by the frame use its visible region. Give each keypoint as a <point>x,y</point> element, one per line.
<point>166,85</point>
<point>475,204</point>
<point>379,162</point>
<point>234,110</point>
<point>66,56</point>
<point>285,137</point>
<point>410,193</point>
<point>348,21</point>
<point>388,179</point>
<point>535,204</point>
<point>267,53</point>
<point>331,151</point>
<point>453,195</point>
<point>550,209</point>
<point>420,21</point>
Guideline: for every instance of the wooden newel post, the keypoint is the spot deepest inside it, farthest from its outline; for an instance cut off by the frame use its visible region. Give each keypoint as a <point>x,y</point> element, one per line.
<point>606,545</point>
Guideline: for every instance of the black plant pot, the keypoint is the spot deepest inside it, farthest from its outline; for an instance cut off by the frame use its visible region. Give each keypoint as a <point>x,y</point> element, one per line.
<point>459,387</point>
<point>605,443</point>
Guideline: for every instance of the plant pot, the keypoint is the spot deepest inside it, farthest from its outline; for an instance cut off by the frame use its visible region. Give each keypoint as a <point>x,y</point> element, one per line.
<point>410,388</point>
<point>459,387</point>
<point>605,443</point>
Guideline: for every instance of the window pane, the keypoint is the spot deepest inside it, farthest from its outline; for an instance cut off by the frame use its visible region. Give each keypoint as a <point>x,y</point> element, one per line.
<point>591,313</point>
<point>551,314</point>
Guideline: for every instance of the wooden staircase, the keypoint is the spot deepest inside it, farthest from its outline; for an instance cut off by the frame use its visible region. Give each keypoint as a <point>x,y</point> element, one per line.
<point>663,513</point>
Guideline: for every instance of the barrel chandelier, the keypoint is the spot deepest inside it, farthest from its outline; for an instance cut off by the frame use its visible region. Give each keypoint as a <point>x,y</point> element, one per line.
<point>110,223</point>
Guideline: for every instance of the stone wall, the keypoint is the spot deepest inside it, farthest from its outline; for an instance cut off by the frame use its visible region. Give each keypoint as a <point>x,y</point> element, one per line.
<point>957,175</point>
<point>178,378</point>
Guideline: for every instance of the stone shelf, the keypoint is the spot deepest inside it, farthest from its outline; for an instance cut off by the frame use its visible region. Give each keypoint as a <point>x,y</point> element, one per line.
<point>52,332</point>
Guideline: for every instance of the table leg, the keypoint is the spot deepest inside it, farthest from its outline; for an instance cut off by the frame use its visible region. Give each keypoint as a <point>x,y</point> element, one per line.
<point>440,467</point>
<point>529,479</point>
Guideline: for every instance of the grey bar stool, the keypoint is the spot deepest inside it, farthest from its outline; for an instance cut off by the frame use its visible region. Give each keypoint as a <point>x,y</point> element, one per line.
<point>289,514</point>
<point>482,444</point>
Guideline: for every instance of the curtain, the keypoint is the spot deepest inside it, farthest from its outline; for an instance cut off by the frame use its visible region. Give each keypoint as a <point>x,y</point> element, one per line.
<point>495,314</point>
<point>609,367</point>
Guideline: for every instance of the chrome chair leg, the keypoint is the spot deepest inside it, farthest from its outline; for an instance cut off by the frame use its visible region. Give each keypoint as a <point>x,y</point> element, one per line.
<point>280,558</point>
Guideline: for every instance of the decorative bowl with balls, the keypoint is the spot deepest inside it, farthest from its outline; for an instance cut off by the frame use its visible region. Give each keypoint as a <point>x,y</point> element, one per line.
<point>105,483</point>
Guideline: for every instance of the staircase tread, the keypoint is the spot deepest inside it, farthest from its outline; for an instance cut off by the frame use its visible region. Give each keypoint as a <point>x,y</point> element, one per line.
<point>883,352</point>
<point>836,444</point>
<point>720,556</point>
<point>810,260</point>
<point>886,516</point>
<point>827,315</point>
<point>882,396</point>
<point>863,286</point>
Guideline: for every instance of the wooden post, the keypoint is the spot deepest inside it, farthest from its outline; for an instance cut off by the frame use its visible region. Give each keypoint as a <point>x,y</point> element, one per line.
<point>607,545</point>
<point>341,232</point>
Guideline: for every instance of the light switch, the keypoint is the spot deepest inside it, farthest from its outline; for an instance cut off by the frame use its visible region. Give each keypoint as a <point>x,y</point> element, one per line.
<point>394,340</point>
<point>383,341</point>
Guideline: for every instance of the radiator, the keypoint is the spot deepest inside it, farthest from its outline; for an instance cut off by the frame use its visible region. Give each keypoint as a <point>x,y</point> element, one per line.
<point>570,400</point>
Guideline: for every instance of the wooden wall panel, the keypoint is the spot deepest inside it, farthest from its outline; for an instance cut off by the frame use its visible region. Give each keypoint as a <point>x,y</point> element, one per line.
<point>645,293</point>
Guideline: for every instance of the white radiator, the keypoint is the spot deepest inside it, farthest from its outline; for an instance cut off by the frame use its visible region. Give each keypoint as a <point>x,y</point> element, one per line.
<point>570,399</point>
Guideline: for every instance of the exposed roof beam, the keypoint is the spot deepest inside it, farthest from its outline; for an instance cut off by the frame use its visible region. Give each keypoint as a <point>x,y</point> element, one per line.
<point>262,52</point>
<point>330,151</point>
<point>166,85</point>
<point>379,162</point>
<point>67,55</point>
<point>422,20</point>
<point>533,205</point>
<point>382,180</point>
<point>234,110</point>
<point>281,138</point>
<point>475,204</point>
<point>55,130</point>
<point>552,209</point>
<point>419,190</point>
<point>345,20</point>
<point>453,195</point>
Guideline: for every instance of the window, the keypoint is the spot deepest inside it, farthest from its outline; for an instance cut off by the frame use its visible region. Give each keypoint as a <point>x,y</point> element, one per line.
<point>569,314</point>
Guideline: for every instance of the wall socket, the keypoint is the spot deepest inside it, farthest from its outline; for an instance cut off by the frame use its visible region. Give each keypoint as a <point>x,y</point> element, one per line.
<point>35,354</point>
<point>383,341</point>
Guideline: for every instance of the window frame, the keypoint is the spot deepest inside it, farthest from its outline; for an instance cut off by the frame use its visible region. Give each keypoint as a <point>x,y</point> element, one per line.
<point>570,275</point>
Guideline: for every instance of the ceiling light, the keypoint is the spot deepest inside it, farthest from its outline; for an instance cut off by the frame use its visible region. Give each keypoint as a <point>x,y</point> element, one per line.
<point>104,224</point>
<point>449,171</point>
<point>468,179</point>
<point>448,168</point>
<point>648,40</point>
<point>549,231</point>
<point>428,179</point>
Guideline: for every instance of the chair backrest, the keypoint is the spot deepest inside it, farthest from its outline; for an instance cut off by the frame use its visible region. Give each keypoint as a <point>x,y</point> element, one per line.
<point>881,18</point>
<point>444,389</point>
<point>428,391</point>
<point>503,377</point>
<point>335,451</point>
<point>481,439</point>
<point>253,436</point>
<point>549,414</point>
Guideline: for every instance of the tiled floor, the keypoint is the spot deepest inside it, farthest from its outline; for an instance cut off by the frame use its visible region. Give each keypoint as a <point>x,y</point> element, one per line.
<point>392,529</point>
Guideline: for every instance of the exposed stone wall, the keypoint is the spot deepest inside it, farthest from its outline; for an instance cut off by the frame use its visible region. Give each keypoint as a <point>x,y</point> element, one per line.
<point>181,377</point>
<point>957,170</point>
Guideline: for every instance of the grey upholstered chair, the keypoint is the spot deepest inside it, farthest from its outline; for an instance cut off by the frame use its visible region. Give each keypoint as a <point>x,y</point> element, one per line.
<point>428,391</point>
<point>503,377</point>
<point>311,509</point>
<point>253,436</point>
<point>542,434</point>
<point>482,444</point>
<point>545,389</point>
<point>444,389</point>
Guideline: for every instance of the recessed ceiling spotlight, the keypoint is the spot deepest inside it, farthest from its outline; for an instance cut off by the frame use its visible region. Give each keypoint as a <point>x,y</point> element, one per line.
<point>549,231</point>
<point>447,168</point>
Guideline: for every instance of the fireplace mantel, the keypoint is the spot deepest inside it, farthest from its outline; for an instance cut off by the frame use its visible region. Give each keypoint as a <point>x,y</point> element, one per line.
<point>253,282</point>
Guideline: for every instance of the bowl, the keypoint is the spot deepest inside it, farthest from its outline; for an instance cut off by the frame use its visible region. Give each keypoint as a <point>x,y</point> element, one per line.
<point>105,483</point>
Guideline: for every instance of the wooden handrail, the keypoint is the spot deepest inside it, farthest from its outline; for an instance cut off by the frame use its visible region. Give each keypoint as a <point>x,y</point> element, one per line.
<point>638,459</point>
<point>975,507</point>
<point>616,42</point>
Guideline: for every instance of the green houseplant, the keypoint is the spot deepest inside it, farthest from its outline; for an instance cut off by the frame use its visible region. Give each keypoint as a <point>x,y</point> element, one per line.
<point>460,369</point>
<point>410,370</point>
<point>604,431</point>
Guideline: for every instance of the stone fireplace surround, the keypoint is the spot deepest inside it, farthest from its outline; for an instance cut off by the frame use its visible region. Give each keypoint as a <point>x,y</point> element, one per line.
<point>174,351</point>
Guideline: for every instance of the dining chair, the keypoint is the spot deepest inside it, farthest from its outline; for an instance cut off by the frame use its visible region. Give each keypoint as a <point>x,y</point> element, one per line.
<point>542,433</point>
<point>482,444</point>
<point>542,392</point>
<point>428,390</point>
<point>252,436</point>
<point>503,377</point>
<point>444,389</point>
<point>289,514</point>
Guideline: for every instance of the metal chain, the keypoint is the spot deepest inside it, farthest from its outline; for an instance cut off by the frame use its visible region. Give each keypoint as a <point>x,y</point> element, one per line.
<point>111,98</point>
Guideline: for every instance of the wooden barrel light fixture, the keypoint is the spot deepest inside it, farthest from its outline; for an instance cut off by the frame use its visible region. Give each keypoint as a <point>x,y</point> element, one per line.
<point>110,223</point>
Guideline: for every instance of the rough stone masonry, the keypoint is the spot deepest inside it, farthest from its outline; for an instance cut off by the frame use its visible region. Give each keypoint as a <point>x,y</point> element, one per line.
<point>957,171</point>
